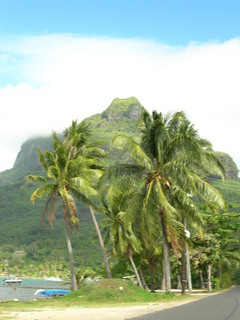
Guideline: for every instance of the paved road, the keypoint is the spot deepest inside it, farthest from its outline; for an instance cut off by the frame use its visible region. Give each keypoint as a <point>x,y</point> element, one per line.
<point>224,306</point>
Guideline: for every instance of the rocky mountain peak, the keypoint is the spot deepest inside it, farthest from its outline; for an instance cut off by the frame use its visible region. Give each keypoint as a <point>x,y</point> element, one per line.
<point>123,108</point>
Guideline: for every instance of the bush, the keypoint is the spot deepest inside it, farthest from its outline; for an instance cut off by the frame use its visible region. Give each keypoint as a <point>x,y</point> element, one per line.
<point>216,283</point>
<point>226,281</point>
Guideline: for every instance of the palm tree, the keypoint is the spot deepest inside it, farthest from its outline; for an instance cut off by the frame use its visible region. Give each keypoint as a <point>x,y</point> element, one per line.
<point>122,237</point>
<point>71,170</point>
<point>229,257</point>
<point>119,221</point>
<point>123,206</point>
<point>169,164</point>
<point>61,172</point>
<point>77,137</point>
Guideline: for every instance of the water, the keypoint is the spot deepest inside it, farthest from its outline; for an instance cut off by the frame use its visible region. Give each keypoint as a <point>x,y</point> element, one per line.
<point>25,291</point>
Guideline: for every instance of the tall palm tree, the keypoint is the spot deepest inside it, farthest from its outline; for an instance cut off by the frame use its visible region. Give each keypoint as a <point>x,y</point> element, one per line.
<point>78,138</point>
<point>169,164</point>
<point>69,172</point>
<point>61,172</point>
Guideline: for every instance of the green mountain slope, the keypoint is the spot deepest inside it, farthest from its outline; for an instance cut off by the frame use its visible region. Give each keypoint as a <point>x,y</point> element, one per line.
<point>22,239</point>
<point>230,189</point>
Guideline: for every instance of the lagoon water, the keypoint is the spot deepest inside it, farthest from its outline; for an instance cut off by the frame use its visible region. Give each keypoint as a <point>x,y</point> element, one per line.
<point>25,291</point>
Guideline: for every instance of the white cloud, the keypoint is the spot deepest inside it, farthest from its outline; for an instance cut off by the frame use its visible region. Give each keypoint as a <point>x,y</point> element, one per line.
<point>51,80</point>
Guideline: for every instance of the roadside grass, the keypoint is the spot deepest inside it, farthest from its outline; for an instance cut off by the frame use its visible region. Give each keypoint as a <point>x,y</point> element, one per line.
<point>104,293</point>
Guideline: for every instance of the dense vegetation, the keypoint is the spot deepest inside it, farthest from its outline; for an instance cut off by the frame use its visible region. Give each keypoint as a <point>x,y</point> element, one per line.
<point>26,248</point>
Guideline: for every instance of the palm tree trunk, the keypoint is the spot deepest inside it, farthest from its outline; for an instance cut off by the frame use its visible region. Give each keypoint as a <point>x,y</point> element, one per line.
<point>143,280</point>
<point>134,269</point>
<point>183,270</point>
<point>188,268</point>
<point>108,271</point>
<point>166,257</point>
<point>70,253</point>
<point>152,273</point>
<point>179,283</point>
<point>201,279</point>
<point>189,275</point>
<point>209,278</point>
<point>167,265</point>
<point>220,275</point>
<point>163,286</point>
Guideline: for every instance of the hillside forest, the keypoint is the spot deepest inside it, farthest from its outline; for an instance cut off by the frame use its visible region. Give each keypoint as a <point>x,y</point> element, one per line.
<point>125,193</point>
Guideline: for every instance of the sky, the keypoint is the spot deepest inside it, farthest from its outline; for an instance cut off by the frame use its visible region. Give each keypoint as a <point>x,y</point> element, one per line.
<point>64,60</point>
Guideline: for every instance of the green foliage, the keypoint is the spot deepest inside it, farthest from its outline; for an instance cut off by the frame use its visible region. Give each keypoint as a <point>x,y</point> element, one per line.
<point>113,291</point>
<point>216,283</point>
<point>41,244</point>
<point>226,281</point>
<point>83,274</point>
<point>230,188</point>
<point>206,250</point>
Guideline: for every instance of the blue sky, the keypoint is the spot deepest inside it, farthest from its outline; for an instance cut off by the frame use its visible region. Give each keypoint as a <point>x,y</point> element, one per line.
<point>175,22</point>
<point>66,59</point>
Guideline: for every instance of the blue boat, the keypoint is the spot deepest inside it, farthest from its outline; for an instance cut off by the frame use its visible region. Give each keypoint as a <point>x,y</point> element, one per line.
<point>53,292</point>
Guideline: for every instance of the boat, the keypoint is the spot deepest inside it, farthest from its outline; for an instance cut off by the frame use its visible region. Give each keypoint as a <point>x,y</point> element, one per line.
<point>52,292</point>
<point>10,281</point>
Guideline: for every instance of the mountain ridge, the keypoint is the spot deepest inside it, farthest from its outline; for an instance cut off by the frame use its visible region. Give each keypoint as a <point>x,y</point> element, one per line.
<point>121,116</point>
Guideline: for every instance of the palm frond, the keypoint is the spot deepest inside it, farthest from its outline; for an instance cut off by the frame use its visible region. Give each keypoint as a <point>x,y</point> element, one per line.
<point>51,211</point>
<point>85,199</point>
<point>42,160</point>
<point>209,194</point>
<point>94,152</point>
<point>45,209</point>
<point>127,144</point>
<point>34,178</point>
<point>82,186</point>
<point>118,191</point>
<point>174,227</point>
<point>91,175</point>
<point>71,207</point>
<point>42,191</point>
<point>53,172</point>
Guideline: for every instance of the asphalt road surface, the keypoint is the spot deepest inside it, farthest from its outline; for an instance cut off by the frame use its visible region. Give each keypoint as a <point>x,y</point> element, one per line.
<point>223,306</point>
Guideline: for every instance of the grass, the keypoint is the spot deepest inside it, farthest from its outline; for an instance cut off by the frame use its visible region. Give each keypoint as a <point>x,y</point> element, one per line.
<point>106,293</point>
<point>112,292</point>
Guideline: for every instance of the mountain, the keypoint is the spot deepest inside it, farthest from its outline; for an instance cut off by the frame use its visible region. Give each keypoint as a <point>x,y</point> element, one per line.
<point>23,242</point>
<point>121,116</point>
<point>27,156</point>
<point>22,239</point>
<point>229,164</point>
